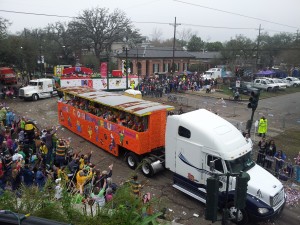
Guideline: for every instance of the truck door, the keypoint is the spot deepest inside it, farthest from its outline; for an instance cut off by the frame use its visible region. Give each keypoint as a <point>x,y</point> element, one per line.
<point>40,85</point>
<point>219,169</point>
<point>189,160</point>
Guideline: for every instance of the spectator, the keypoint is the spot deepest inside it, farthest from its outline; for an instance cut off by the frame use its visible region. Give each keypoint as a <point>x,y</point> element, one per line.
<point>98,195</point>
<point>28,176</point>
<point>2,181</point>
<point>280,158</point>
<point>44,152</point>
<point>297,162</point>
<point>60,153</point>
<point>262,144</point>
<point>262,127</point>
<point>270,152</point>
<point>135,185</point>
<point>40,178</point>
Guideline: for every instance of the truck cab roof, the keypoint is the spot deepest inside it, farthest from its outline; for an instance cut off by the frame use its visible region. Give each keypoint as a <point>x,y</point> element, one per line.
<point>214,133</point>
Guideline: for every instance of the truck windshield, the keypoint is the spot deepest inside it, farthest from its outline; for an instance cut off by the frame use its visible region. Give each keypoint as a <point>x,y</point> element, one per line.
<point>33,83</point>
<point>242,163</point>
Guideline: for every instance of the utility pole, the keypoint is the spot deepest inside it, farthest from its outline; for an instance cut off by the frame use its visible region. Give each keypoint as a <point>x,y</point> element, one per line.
<point>257,47</point>
<point>126,67</point>
<point>137,66</point>
<point>174,41</point>
<point>41,59</point>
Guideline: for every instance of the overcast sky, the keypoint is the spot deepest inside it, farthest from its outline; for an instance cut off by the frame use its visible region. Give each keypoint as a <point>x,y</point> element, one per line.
<point>274,15</point>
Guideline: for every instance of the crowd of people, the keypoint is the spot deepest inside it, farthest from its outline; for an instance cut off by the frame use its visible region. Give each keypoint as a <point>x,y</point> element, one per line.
<point>274,159</point>
<point>32,157</point>
<point>157,86</point>
<point>131,121</point>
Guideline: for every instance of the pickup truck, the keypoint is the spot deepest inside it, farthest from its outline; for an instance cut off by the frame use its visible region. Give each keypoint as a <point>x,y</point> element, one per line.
<point>245,88</point>
<point>264,84</point>
<point>295,82</point>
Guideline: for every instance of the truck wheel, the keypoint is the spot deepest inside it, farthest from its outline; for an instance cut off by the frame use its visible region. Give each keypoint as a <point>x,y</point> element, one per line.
<point>132,160</point>
<point>295,85</point>
<point>35,97</point>
<point>269,89</point>
<point>147,168</point>
<point>242,217</point>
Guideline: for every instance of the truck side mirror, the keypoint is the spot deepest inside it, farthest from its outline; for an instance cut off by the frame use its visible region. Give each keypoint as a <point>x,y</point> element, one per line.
<point>212,165</point>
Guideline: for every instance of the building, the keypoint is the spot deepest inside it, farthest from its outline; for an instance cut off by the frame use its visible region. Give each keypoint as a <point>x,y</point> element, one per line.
<point>150,60</point>
<point>206,59</point>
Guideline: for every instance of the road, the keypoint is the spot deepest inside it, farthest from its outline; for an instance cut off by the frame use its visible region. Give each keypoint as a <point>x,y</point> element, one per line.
<point>181,207</point>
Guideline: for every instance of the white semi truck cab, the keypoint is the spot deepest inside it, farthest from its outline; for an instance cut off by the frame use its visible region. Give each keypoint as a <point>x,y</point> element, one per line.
<point>196,138</point>
<point>38,88</point>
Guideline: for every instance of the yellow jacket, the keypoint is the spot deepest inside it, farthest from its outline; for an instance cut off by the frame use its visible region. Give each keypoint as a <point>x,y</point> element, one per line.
<point>44,149</point>
<point>263,126</point>
<point>82,179</point>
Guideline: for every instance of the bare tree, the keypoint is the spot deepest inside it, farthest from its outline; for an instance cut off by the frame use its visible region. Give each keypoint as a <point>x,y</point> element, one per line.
<point>184,36</point>
<point>98,29</point>
<point>4,24</point>
<point>156,35</point>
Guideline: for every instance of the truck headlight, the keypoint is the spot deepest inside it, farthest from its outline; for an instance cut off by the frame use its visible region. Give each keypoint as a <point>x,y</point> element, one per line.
<point>262,210</point>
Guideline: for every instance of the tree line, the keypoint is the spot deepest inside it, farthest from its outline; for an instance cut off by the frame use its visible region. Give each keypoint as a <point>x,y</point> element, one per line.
<point>95,30</point>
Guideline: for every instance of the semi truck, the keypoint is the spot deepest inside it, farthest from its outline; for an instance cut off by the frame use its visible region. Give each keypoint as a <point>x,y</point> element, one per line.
<point>38,88</point>
<point>214,73</point>
<point>185,144</point>
<point>192,141</point>
<point>7,75</point>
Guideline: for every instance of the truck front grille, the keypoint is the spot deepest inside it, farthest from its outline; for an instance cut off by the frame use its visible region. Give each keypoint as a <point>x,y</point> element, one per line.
<point>274,201</point>
<point>21,92</point>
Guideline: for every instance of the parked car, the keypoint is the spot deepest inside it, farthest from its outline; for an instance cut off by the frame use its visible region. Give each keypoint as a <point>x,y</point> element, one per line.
<point>293,80</point>
<point>282,86</point>
<point>264,84</point>
<point>245,88</point>
<point>288,83</point>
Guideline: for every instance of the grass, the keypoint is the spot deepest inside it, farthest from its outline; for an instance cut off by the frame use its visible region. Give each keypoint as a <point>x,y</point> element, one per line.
<point>263,94</point>
<point>289,142</point>
<point>124,209</point>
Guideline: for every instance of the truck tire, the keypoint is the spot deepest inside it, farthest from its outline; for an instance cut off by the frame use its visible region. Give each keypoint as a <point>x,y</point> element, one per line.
<point>132,160</point>
<point>147,169</point>
<point>242,216</point>
<point>35,97</point>
<point>269,89</point>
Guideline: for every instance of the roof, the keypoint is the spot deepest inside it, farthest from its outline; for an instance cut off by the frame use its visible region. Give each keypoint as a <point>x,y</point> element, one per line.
<point>129,104</point>
<point>155,52</point>
<point>206,55</point>
<point>40,80</point>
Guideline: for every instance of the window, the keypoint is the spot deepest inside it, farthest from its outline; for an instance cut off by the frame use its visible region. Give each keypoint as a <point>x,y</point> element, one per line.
<point>166,69</point>
<point>183,132</point>
<point>155,68</point>
<point>218,163</point>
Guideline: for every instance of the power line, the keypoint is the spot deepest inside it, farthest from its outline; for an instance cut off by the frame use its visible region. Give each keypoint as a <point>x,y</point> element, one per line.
<point>233,13</point>
<point>37,14</point>
<point>230,28</point>
<point>138,22</point>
